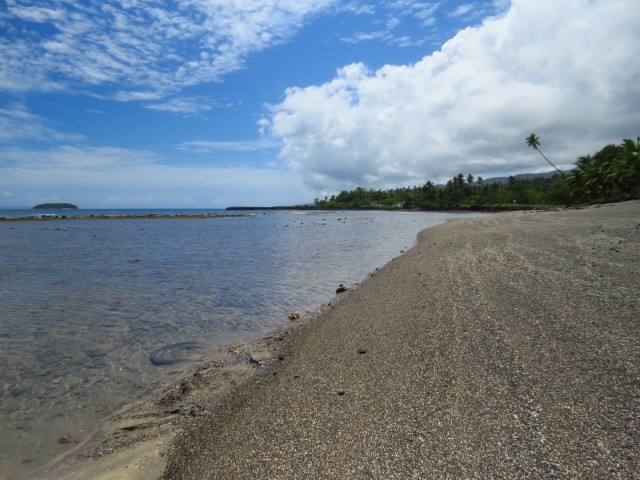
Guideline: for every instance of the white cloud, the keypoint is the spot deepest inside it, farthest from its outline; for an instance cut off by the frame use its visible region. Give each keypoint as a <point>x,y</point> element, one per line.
<point>386,35</point>
<point>36,14</point>
<point>567,71</point>
<point>394,31</point>
<point>183,106</point>
<point>140,46</point>
<point>423,11</point>
<point>202,146</point>
<point>95,177</point>
<point>461,10</point>
<point>357,8</point>
<point>17,123</point>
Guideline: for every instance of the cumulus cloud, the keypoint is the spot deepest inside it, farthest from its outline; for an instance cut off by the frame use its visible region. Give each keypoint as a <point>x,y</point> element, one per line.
<point>567,71</point>
<point>100,176</point>
<point>142,47</point>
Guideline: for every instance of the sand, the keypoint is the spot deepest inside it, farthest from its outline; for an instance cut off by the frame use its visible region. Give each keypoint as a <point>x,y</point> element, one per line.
<point>500,347</point>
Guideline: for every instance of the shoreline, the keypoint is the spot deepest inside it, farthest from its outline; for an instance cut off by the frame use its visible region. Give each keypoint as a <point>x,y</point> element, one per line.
<point>66,429</point>
<point>132,442</point>
<point>43,217</point>
<point>363,384</point>
<point>441,208</point>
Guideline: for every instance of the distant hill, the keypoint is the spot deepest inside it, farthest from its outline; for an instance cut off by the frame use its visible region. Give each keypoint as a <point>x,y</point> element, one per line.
<point>520,176</point>
<point>55,206</point>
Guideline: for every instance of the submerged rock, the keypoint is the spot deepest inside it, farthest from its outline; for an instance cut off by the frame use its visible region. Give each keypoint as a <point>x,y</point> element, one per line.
<point>175,353</point>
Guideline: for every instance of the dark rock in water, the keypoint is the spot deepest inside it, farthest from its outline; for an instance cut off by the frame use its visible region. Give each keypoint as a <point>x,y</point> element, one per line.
<point>174,353</point>
<point>341,288</point>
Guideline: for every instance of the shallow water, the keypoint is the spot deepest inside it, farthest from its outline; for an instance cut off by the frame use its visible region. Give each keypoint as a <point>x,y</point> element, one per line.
<point>96,314</point>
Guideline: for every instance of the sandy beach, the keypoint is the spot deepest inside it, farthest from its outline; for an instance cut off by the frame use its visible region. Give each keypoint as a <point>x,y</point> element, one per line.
<point>501,347</point>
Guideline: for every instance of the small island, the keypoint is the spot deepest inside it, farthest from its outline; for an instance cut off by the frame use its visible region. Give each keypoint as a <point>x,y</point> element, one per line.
<point>55,206</point>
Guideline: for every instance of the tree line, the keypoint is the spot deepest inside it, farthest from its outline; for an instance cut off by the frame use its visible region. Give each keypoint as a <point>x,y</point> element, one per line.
<point>611,174</point>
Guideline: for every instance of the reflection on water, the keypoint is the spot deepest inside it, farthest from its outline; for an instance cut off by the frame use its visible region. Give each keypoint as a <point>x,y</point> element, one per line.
<point>95,314</point>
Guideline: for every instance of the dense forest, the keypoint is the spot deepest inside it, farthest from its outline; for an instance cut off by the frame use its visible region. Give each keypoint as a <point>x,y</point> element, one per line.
<point>612,174</point>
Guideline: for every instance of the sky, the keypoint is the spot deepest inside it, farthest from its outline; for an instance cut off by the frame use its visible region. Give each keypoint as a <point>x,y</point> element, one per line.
<point>213,103</point>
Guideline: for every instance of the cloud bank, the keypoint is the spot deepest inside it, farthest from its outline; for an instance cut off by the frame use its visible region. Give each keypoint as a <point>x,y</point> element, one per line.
<point>124,178</point>
<point>565,70</point>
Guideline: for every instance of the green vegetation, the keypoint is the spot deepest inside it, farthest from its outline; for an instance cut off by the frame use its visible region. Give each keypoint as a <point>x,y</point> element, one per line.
<point>612,174</point>
<point>459,193</point>
<point>56,206</point>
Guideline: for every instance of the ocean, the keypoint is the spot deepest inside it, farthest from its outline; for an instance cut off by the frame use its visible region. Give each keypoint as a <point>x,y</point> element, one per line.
<point>86,305</point>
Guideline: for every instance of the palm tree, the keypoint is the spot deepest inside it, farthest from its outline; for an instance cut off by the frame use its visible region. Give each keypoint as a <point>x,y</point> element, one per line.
<point>578,177</point>
<point>626,170</point>
<point>534,142</point>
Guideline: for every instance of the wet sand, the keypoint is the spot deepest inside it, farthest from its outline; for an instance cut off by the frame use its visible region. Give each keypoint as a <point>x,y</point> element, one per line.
<point>502,347</point>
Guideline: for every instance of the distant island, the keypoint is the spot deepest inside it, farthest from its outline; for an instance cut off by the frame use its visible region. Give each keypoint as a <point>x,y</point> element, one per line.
<point>55,206</point>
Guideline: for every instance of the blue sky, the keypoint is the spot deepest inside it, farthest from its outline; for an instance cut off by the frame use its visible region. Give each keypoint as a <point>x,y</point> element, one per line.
<point>210,103</point>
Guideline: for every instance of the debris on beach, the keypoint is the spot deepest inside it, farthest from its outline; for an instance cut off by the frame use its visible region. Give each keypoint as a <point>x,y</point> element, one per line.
<point>260,358</point>
<point>294,315</point>
<point>341,288</point>
<point>66,440</point>
<point>237,348</point>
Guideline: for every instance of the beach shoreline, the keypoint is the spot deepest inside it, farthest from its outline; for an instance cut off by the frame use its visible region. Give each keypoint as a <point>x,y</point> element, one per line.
<point>500,346</point>
<point>131,443</point>
<point>217,282</point>
<point>46,217</point>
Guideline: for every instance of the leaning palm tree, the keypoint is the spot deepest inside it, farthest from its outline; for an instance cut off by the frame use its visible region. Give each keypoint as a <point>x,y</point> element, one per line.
<point>534,142</point>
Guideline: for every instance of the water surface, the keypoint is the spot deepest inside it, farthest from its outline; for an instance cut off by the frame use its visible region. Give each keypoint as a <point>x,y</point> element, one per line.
<point>85,304</point>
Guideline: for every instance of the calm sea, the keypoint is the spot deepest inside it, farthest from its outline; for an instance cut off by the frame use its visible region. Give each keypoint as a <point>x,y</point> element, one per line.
<point>85,303</point>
